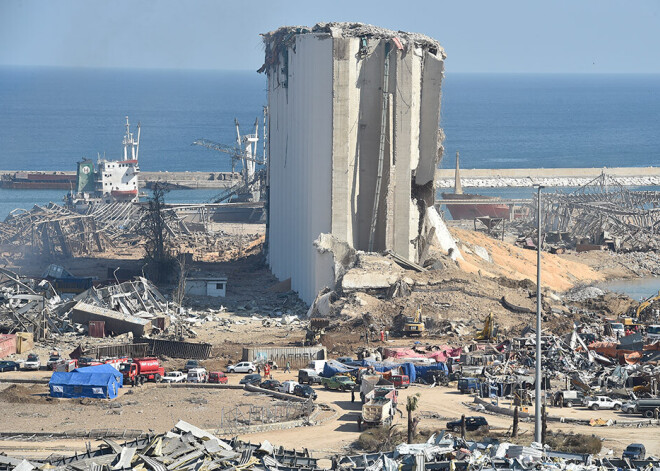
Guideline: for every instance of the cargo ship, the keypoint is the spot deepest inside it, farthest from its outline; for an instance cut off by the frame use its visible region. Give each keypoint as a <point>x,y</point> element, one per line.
<point>467,210</point>
<point>38,181</point>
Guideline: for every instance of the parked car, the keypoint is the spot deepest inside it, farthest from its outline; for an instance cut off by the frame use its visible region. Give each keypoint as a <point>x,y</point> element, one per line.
<point>218,377</point>
<point>468,385</point>
<point>288,386</point>
<point>254,379</point>
<point>53,360</point>
<point>191,364</point>
<point>602,402</point>
<point>634,451</point>
<point>272,384</point>
<point>9,366</point>
<point>400,381</point>
<point>308,376</point>
<point>196,375</point>
<point>345,360</point>
<point>570,398</point>
<point>629,407</point>
<point>242,367</point>
<point>32,362</point>
<point>342,383</point>
<point>304,390</point>
<point>174,377</point>
<point>471,424</point>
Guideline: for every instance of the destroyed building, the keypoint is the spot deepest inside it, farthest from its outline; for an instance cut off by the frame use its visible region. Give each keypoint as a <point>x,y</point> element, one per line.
<point>353,144</point>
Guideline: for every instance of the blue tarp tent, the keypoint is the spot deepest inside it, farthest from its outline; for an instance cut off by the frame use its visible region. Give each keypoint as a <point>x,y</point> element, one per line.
<point>332,367</point>
<point>102,369</point>
<point>93,381</point>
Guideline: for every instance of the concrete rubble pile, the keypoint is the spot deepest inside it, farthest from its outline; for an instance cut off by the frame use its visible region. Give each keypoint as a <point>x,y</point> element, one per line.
<point>188,447</point>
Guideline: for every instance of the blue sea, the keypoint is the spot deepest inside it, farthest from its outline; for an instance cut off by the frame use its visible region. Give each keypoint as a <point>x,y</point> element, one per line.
<point>50,118</point>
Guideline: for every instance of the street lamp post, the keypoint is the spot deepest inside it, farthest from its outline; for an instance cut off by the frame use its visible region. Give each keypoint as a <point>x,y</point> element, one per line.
<point>537,402</point>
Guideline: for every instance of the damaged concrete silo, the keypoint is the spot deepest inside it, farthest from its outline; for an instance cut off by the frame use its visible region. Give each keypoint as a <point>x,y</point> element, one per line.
<point>353,145</point>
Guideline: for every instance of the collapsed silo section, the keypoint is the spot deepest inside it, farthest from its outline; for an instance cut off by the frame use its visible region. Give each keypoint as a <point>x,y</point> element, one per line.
<point>353,145</point>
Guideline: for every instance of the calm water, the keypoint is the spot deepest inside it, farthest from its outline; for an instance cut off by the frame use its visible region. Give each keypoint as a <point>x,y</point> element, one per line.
<point>52,118</point>
<point>640,288</point>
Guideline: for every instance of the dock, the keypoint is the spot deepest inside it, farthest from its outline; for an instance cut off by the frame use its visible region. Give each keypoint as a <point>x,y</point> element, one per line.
<point>509,177</point>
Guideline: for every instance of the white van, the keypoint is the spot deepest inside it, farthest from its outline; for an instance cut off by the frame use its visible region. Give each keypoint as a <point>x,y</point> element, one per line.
<point>316,365</point>
<point>196,375</point>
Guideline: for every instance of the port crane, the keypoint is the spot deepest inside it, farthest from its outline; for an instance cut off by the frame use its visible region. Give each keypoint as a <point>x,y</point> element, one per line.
<point>245,151</point>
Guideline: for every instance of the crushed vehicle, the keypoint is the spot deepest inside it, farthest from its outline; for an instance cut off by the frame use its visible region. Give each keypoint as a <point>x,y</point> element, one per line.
<point>174,377</point>
<point>242,367</point>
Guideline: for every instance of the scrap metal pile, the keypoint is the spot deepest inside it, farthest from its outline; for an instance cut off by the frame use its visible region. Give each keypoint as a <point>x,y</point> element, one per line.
<point>604,209</point>
<point>187,447</point>
<point>54,230</point>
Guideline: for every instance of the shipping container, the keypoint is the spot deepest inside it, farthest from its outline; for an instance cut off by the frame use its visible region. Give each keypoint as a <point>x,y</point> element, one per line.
<point>97,329</point>
<point>24,342</point>
<point>7,345</point>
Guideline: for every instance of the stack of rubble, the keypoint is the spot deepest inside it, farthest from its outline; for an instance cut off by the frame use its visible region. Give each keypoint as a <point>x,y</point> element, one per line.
<point>188,447</point>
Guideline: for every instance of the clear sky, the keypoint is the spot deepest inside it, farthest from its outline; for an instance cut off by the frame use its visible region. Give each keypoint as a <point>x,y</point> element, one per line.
<point>567,36</point>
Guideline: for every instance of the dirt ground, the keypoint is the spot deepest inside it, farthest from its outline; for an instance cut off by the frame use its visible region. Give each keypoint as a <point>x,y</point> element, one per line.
<point>159,409</point>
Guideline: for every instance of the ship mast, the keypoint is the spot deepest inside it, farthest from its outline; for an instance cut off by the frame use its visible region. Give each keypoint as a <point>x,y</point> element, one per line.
<point>130,143</point>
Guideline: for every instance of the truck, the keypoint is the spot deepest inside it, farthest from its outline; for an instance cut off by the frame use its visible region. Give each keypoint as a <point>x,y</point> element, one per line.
<point>602,402</point>
<point>468,385</point>
<point>646,407</point>
<point>380,407</point>
<point>139,370</point>
<point>343,383</point>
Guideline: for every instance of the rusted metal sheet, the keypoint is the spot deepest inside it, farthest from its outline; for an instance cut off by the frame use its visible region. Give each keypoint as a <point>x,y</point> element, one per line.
<point>172,349</point>
<point>97,329</point>
<point>24,342</point>
<point>299,357</point>
<point>130,350</point>
<point>7,345</point>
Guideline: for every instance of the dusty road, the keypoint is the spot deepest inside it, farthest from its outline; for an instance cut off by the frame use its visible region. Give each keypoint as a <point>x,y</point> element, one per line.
<point>161,408</point>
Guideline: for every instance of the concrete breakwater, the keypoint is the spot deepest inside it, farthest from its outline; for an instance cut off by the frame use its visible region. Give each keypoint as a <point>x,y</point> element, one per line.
<point>479,178</point>
<point>551,177</point>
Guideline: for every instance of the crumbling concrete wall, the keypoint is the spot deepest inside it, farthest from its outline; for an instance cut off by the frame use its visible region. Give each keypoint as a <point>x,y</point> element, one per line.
<point>354,144</point>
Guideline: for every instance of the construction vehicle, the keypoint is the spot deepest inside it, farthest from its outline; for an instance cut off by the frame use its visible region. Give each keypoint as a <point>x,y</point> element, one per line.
<point>647,303</point>
<point>414,326</point>
<point>380,407</point>
<point>315,330</point>
<point>140,370</point>
<point>489,331</point>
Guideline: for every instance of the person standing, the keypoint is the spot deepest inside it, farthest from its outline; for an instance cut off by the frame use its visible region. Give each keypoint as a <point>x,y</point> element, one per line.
<point>266,369</point>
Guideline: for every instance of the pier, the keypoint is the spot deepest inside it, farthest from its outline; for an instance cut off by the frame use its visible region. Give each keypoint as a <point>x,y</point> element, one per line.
<point>483,178</point>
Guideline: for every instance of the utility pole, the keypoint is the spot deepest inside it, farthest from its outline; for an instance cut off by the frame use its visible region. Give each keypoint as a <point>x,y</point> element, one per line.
<point>537,402</point>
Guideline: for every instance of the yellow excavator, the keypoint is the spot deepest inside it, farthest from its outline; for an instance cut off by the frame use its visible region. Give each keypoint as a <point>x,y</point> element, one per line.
<point>646,303</point>
<point>414,326</point>
<point>488,332</point>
